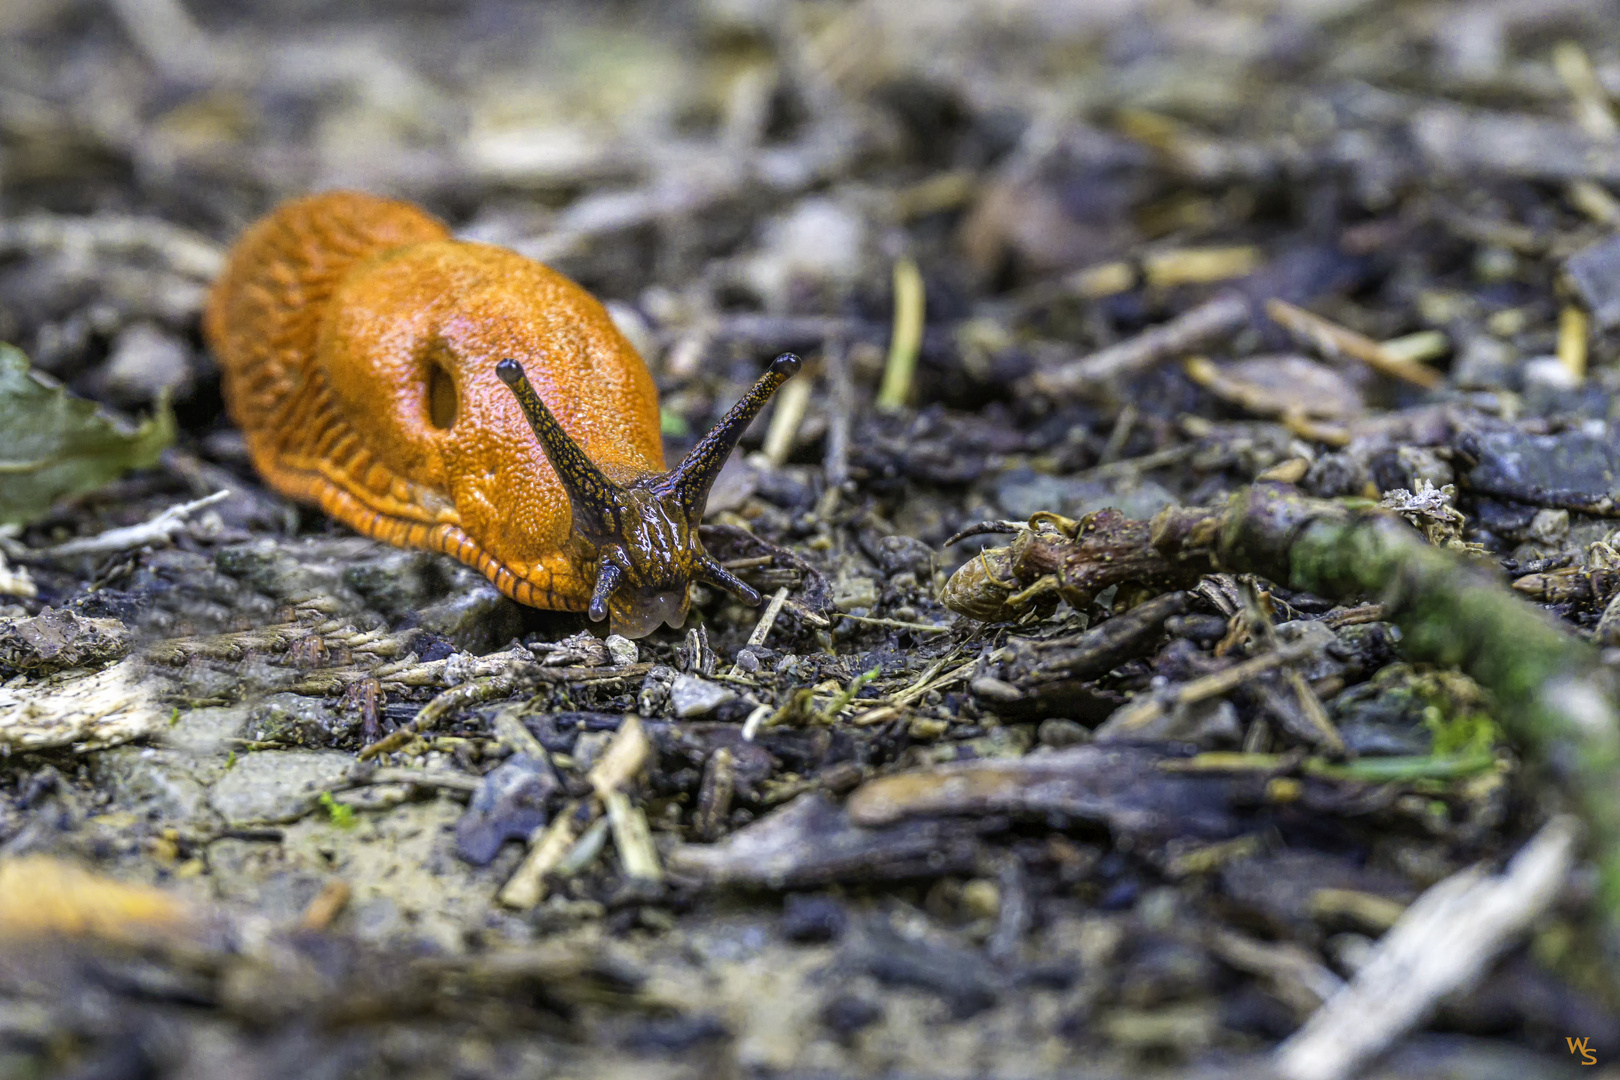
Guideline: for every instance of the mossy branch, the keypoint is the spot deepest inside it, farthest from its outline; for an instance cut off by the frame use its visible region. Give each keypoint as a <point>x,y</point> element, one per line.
<point>1554,698</point>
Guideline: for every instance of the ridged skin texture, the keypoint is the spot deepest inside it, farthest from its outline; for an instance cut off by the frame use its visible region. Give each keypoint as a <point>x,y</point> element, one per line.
<point>328,323</point>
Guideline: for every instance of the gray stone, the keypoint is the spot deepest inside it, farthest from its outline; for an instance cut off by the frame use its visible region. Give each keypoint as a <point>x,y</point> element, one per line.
<point>160,784</point>
<point>209,732</point>
<point>692,695</point>
<point>1576,469</point>
<point>1549,526</point>
<point>509,805</point>
<point>444,597</point>
<point>854,592</point>
<point>275,785</point>
<point>1023,491</point>
<point>655,687</point>
<point>898,554</point>
<point>621,650</point>
<point>475,617</point>
<point>1058,732</point>
<point>295,720</point>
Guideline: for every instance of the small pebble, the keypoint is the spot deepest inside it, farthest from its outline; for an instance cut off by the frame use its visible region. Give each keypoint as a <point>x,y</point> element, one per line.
<point>693,695</point>
<point>1058,732</point>
<point>812,919</point>
<point>847,1014</point>
<point>981,898</point>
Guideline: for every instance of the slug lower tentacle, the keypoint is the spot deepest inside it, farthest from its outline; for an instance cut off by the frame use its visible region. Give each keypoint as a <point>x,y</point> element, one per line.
<point>366,356</point>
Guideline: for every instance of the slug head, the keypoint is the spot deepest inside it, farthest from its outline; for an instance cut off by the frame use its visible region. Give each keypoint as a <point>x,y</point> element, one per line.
<point>643,536</point>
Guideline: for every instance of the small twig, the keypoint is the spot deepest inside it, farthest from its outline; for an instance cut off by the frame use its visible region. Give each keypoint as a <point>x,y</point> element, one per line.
<point>749,563</point>
<point>186,253</point>
<point>917,690</point>
<point>633,838</point>
<point>16,582</point>
<point>444,779</point>
<point>168,37</point>
<point>755,721</point>
<point>715,794</point>
<point>1128,718</point>
<point>1593,110</point>
<point>1292,971</point>
<point>1199,266</point>
<point>548,846</point>
<point>762,629</point>
<point>1336,342</point>
<point>1594,201</point>
<point>620,763</point>
<point>1311,706</point>
<point>1441,944</point>
<point>586,850</point>
<point>1123,423</point>
<point>1572,341</point>
<point>1354,616</point>
<point>363,775</point>
<point>475,692</point>
<point>326,906</point>
<point>806,616</point>
<point>1130,466</point>
<point>906,341</point>
<point>1321,731</point>
<point>1216,317</point>
<point>512,732</point>
<point>623,759</point>
<point>160,529</point>
<point>897,624</point>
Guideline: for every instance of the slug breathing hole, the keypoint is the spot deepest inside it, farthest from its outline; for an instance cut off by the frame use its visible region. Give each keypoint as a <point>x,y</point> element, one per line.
<point>442,403</point>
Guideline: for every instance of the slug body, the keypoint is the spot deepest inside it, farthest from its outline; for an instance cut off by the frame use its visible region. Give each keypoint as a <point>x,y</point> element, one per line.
<point>401,379</point>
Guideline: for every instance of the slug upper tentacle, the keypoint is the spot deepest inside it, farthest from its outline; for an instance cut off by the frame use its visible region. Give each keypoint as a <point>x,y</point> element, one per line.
<point>691,481</point>
<point>644,535</point>
<point>361,349</point>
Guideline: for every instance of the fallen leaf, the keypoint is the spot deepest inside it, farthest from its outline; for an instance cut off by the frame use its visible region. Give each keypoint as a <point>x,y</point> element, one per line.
<point>56,444</point>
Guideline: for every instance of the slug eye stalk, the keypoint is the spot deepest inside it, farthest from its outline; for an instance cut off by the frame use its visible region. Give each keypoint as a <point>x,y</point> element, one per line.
<point>689,482</point>
<point>645,534</point>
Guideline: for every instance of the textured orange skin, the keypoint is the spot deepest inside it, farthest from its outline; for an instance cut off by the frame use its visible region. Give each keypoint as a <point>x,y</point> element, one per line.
<point>326,322</point>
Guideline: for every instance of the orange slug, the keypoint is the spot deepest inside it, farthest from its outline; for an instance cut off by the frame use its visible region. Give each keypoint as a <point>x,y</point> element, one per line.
<point>399,378</point>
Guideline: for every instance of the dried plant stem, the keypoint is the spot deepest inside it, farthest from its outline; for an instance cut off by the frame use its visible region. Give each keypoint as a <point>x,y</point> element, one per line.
<point>1336,342</point>
<point>906,341</point>
<point>791,405</point>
